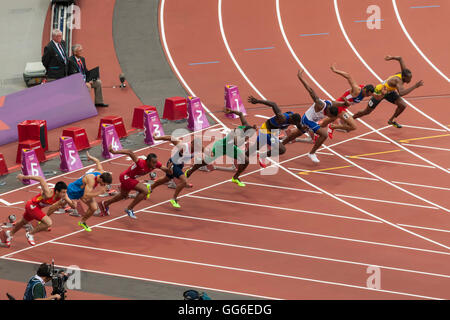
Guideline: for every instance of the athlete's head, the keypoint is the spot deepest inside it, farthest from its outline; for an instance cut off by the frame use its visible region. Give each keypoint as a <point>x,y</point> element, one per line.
<point>105,178</point>
<point>406,75</point>
<point>368,90</point>
<point>295,119</point>
<point>152,160</point>
<point>60,189</point>
<point>331,111</point>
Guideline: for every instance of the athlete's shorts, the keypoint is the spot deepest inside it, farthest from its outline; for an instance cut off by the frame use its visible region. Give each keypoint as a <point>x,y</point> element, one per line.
<point>176,168</point>
<point>391,97</point>
<point>74,192</point>
<point>266,135</point>
<point>220,149</point>
<point>33,212</point>
<point>342,109</point>
<point>314,126</point>
<point>127,183</point>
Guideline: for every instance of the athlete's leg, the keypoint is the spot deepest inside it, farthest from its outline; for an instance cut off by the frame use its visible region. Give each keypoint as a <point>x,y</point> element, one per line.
<point>348,125</point>
<point>19,225</point>
<point>363,113</point>
<point>293,134</point>
<point>143,191</point>
<point>160,181</point>
<point>180,186</point>
<point>92,207</point>
<point>46,223</point>
<point>401,106</point>
<point>118,197</point>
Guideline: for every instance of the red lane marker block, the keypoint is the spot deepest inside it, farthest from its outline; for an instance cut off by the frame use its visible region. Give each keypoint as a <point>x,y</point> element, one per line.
<point>31,144</point>
<point>79,137</point>
<point>152,125</point>
<point>175,108</point>
<point>196,115</point>
<point>233,101</point>
<point>70,160</point>
<point>110,138</point>
<point>117,122</point>
<point>3,167</point>
<point>34,130</point>
<point>30,165</point>
<point>138,116</point>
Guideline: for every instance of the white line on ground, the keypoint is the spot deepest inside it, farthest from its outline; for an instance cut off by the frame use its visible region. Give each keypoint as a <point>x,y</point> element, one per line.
<point>387,201</point>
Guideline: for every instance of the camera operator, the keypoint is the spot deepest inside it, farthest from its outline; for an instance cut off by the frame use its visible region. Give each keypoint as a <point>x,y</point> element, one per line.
<point>36,286</point>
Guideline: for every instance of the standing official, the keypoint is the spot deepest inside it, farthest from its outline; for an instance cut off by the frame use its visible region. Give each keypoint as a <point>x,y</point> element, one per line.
<point>55,59</point>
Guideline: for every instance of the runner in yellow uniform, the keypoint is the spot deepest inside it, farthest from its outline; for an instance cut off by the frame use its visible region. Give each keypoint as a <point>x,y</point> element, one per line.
<point>392,90</point>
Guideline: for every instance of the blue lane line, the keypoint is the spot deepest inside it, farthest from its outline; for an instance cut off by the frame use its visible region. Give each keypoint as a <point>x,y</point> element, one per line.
<point>265,48</point>
<point>368,20</point>
<point>313,34</point>
<point>420,7</point>
<point>196,63</point>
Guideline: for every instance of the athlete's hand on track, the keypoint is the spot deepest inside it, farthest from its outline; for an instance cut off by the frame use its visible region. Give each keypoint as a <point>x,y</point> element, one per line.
<point>300,73</point>
<point>110,149</point>
<point>252,100</point>
<point>333,67</point>
<point>419,83</point>
<point>387,58</point>
<point>20,177</point>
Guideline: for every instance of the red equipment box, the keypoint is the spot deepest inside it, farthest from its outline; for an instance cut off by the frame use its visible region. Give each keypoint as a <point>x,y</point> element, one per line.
<point>175,108</point>
<point>31,144</point>
<point>138,116</point>
<point>79,137</point>
<point>3,167</point>
<point>34,130</point>
<point>118,124</point>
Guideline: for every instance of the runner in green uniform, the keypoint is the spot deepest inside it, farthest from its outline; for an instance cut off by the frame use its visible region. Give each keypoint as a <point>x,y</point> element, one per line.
<point>230,147</point>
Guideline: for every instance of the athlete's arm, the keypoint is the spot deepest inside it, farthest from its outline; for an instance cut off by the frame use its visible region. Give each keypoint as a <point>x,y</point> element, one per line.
<point>127,152</point>
<point>279,114</point>
<point>327,121</point>
<point>340,103</point>
<point>166,170</point>
<point>238,113</point>
<point>399,59</point>
<point>353,85</point>
<point>89,182</point>
<point>98,165</point>
<point>46,192</point>
<point>403,92</point>
<point>310,90</point>
<point>173,140</point>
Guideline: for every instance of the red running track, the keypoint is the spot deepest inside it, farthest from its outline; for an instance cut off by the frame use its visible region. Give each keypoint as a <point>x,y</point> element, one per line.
<point>308,232</point>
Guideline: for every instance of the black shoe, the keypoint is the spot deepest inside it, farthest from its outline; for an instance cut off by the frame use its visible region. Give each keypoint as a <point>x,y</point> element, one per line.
<point>101,105</point>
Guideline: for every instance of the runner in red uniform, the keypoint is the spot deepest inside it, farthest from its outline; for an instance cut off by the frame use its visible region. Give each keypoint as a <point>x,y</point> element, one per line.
<point>33,208</point>
<point>355,95</point>
<point>129,182</point>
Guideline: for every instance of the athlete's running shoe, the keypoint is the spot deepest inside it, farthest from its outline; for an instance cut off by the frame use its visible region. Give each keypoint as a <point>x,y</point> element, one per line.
<point>172,185</point>
<point>30,239</point>
<point>8,238</point>
<point>105,208</point>
<point>149,190</point>
<point>174,203</point>
<point>186,172</point>
<point>395,124</point>
<point>313,157</point>
<point>85,226</point>
<point>130,213</point>
<point>262,164</point>
<point>330,132</point>
<point>238,182</point>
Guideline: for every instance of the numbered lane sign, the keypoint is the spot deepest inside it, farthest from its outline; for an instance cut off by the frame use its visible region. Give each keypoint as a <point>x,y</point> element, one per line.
<point>233,101</point>
<point>30,165</point>
<point>70,160</point>
<point>196,114</point>
<point>152,126</point>
<point>110,138</point>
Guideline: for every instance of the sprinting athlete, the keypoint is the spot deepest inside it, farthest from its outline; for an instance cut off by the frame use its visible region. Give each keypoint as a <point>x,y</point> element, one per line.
<point>230,146</point>
<point>356,94</point>
<point>83,189</point>
<point>55,199</point>
<point>392,90</point>
<point>280,121</point>
<point>176,164</point>
<point>321,110</point>
<point>128,180</point>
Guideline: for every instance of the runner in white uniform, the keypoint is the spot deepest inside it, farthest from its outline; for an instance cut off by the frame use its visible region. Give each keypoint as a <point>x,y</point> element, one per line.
<point>321,110</point>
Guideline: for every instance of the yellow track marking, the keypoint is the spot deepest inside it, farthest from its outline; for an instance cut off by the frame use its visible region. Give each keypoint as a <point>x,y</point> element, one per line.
<point>327,169</point>
<point>371,154</point>
<point>422,138</point>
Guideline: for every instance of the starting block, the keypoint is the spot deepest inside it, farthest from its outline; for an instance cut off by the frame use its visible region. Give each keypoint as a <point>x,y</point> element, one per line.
<point>175,108</point>
<point>3,167</point>
<point>196,114</point>
<point>110,138</point>
<point>138,116</point>
<point>30,165</point>
<point>152,125</point>
<point>33,145</point>
<point>233,101</point>
<point>70,160</point>
<point>117,122</point>
<point>79,137</point>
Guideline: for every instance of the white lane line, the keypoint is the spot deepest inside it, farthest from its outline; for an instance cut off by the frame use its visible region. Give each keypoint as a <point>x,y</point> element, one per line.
<point>387,201</point>
<point>10,203</point>
<point>225,244</point>
<point>421,185</point>
<point>423,128</point>
<point>261,116</point>
<point>240,270</point>
<point>426,147</point>
<point>338,16</point>
<point>280,208</point>
<point>147,279</point>
<point>399,19</point>
<point>374,140</point>
<point>394,162</point>
<point>335,174</point>
<point>425,228</point>
<point>298,232</point>
<point>280,187</point>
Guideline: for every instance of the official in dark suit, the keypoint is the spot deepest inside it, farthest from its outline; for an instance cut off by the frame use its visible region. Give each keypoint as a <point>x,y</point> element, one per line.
<point>77,64</point>
<point>55,59</point>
